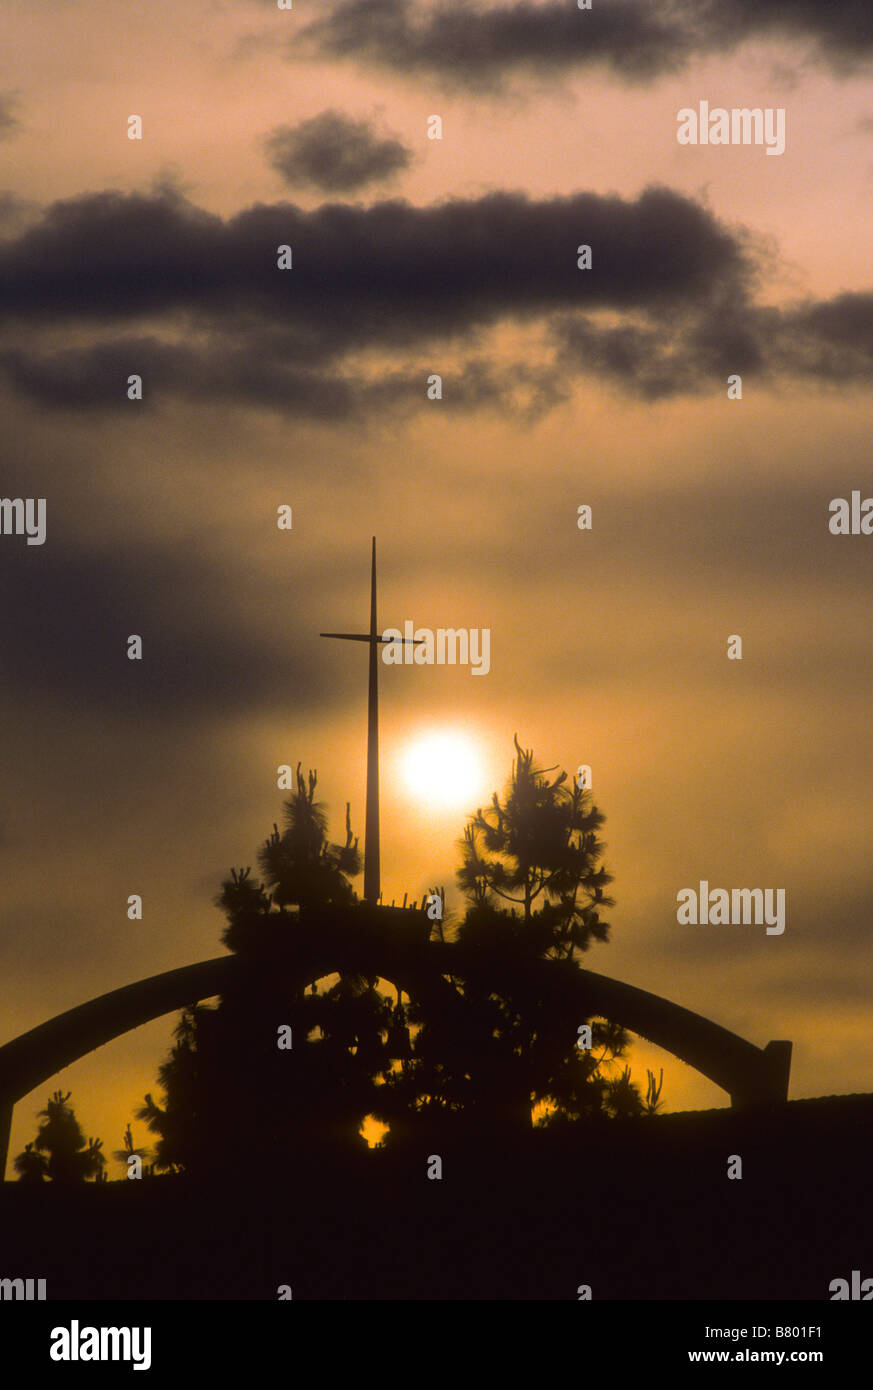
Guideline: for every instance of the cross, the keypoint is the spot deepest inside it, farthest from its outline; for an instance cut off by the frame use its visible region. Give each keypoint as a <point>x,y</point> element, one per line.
<point>371,829</point>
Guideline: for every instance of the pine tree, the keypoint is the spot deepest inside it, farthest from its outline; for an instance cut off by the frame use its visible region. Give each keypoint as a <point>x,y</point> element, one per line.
<point>30,1165</point>
<point>301,868</point>
<point>70,1160</point>
<point>535,886</point>
<point>226,1062</point>
<point>537,850</point>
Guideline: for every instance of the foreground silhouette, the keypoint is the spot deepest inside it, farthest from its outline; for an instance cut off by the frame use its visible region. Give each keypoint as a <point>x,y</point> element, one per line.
<point>302,1069</point>
<point>641,1210</point>
<point>467,1199</point>
<point>59,1151</point>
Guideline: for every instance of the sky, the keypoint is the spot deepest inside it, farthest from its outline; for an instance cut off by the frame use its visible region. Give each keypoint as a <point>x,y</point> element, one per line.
<point>562,387</point>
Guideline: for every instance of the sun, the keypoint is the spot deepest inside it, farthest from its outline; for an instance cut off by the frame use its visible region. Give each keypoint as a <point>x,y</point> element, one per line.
<point>444,769</point>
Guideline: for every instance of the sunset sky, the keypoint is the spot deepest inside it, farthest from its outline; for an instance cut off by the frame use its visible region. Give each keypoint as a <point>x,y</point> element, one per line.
<point>561,387</point>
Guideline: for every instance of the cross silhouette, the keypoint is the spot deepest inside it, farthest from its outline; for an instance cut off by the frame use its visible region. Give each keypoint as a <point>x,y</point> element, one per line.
<point>371,828</point>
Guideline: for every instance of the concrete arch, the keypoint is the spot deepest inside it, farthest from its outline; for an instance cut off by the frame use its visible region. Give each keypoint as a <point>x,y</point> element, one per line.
<point>392,943</point>
<point>751,1075</point>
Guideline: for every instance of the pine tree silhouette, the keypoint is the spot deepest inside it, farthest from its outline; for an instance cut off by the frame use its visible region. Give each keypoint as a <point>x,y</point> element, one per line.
<point>69,1160</point>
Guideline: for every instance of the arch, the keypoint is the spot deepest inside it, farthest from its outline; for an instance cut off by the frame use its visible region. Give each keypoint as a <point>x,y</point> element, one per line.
<point>393,943</point>
<point>750,1075</point>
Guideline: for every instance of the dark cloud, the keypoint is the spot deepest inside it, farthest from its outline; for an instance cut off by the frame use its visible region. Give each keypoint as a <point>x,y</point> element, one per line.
<point>438,269</point>
<point>256,371</point>
<point>389,277</point>
<point>335,154</point>
<point>96,378</point>
<point>680,354</point>
<point>830,342</point>
<point>841,329</point>
<point>467,42</point>
<point>668,306</point>
<point>841,30</point>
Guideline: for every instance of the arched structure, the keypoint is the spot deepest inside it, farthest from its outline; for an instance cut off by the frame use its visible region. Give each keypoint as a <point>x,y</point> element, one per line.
<point>391,943</point>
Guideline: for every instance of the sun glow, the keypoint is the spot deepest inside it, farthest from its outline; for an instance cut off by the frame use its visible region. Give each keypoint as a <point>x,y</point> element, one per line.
<point>444,769</point>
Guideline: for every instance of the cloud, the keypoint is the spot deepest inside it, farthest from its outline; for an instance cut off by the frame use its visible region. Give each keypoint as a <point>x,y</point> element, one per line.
<point>831,340</point>
<point>254,369</point>
<point>96,378</point>
<point>841,31</point>
<point>468,43</point>
<point>438,269</point>
<point>335,154</point>
<point>376,293</point>
<point>388,278</point>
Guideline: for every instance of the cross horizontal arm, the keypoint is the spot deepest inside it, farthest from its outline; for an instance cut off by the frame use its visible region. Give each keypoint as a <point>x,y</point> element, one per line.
<point>365,637</point>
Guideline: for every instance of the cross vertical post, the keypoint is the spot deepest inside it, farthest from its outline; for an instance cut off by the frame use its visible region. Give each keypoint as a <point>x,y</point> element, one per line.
<point>371,828</point>
<point>371,825</point>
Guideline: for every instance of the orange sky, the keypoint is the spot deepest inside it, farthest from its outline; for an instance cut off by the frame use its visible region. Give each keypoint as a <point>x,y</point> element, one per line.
<point>608,647</point>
